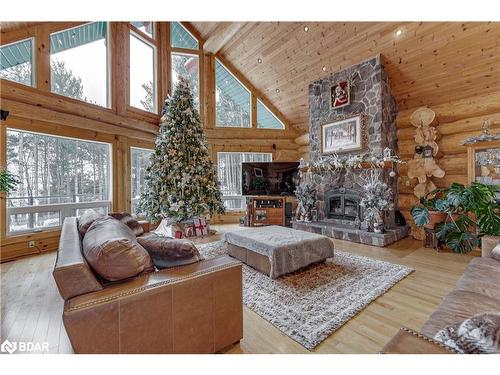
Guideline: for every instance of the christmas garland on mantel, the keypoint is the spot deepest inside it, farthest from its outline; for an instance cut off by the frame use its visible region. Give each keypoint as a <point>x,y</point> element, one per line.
<point>335,162</point>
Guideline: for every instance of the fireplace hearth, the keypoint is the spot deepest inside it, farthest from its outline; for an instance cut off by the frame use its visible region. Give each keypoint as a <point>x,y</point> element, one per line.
<point>343,204</point>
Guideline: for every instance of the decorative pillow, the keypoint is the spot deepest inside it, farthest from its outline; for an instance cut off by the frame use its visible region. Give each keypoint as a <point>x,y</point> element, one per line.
<point>129,221</point>
<point>477,335</point>
<point>495,254</point>
<point>112,250</point>
<point>86,220</point>
<point>167,252</point>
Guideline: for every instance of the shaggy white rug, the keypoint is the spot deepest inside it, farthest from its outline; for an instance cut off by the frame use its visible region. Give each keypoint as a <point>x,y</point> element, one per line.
<point>310,304</point>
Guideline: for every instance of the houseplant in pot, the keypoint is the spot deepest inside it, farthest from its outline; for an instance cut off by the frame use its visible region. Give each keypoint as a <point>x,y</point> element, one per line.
<point>428,212</point>
<point>469,213</point>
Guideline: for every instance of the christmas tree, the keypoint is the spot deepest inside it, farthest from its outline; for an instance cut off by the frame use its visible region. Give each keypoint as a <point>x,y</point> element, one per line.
<point>181,179</point>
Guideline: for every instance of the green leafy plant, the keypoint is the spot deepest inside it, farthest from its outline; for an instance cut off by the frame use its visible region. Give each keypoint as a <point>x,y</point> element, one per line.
<point>8,181</point>
<point>471,212</point>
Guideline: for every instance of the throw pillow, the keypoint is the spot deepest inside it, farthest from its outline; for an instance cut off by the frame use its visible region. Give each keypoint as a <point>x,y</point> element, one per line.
<point>495,254</point>
<point>112,250</point>
<point>129,221</point>
<point>86,220</point>
<point>167,252</point>
<point>477,335</point>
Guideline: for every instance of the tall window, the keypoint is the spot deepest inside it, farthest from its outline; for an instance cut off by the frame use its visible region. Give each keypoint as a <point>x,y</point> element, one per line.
<point>59,177</point>
<point>142,73</point>
<point>139,161</point>
<point>79,63</point>
<point>16,62</point>
<point>181,38</point>
<point>232,99</point>
<point>188,66</point>
<point>229,171</point>
<point>266,119</point>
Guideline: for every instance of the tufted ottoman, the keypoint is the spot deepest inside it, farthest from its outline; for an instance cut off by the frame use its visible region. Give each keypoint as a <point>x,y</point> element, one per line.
<point>276,251</point>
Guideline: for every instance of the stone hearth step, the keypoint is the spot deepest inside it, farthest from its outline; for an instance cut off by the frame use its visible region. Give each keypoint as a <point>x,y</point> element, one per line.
<point>346,233</point>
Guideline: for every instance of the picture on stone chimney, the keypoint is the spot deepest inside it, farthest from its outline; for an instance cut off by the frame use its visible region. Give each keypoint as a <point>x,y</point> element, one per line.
<point>340,95</point>
<point>343,135</point>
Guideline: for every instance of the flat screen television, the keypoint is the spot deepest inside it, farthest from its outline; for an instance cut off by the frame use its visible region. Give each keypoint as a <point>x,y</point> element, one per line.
<point>274,178</point>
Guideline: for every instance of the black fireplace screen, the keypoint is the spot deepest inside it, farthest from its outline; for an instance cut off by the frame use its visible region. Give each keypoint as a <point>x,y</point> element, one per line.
<point>342,203</point>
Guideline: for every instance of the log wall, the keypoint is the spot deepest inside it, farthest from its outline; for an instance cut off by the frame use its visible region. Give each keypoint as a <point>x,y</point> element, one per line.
<point>454,121</point>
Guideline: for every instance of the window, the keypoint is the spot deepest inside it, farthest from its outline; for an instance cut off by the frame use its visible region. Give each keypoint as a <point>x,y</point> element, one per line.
<point>78,63</point>
<point>266,119</point>
<point>59,177</point>
<point>139,161</point>
<point>142,74</point>
<point>188,66</point>
<point>232,99</point>
<point>181,38</point>
<point>16,62</point>
<point>229,170</point>
<point>147,27</point>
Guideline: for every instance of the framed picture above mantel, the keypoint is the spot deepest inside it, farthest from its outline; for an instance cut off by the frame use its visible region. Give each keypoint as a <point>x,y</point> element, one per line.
<point>345,134</point>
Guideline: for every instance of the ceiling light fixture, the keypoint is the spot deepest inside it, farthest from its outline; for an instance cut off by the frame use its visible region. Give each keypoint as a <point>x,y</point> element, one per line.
<point>278,91</point>
<point>306,28</point>
<point>324,68</point>
<point>399,32</point>
<point>259,60</point>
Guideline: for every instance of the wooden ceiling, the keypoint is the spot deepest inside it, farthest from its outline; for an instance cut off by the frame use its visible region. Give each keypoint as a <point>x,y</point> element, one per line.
<point>429,63</point>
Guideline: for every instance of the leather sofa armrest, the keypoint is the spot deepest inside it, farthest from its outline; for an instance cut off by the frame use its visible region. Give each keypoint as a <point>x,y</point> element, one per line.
<point>196,308</point>
<point>407,341</point>
<point>488,243</point>
<point>146,226</point>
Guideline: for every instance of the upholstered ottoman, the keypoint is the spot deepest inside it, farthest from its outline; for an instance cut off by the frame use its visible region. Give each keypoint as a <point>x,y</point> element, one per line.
<point>276,250</point>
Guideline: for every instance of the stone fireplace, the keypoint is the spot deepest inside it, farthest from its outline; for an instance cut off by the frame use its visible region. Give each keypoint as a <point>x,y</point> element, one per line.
<point>339,193</point>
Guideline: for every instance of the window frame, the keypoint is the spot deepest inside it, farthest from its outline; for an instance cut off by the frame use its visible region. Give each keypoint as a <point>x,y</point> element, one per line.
<point>109,53</point>
<point>240,196</point>
<point>134,32</point>
<point>272,114</point>
<point>33,60</point>
<point>250,112</point>
<point>65,209</point>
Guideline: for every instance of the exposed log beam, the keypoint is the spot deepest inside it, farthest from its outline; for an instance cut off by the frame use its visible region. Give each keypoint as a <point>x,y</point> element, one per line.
<point>222,34</point>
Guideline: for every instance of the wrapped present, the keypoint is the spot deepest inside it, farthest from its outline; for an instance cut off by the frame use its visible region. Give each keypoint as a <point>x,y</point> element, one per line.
<point>200,227</point>
<point>170,229</point>
<point>189,230</point>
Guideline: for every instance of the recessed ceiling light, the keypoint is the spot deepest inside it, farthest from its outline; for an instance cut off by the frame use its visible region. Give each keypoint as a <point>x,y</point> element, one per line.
<point>399,32</point>
<point>278,91</point>
<point>306,28</point>
<point>324,68</point>
<point>259,60</point>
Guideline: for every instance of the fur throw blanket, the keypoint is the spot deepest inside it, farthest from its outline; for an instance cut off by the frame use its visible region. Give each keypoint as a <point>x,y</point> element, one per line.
<point>479,334</point>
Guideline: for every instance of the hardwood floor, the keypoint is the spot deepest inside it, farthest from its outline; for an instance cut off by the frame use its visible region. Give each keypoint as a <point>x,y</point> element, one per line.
<point>31,308</point>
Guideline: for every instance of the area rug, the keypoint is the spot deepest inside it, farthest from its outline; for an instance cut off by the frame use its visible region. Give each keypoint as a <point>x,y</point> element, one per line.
<point>310,304</point>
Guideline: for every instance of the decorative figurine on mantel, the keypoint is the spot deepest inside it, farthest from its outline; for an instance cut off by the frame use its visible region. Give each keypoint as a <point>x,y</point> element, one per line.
<point>423,165</point>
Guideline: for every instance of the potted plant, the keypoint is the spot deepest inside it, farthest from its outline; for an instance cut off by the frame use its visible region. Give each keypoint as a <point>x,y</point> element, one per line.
<point>428,212</point>
<point>470,212</point>
<point>8,181</point>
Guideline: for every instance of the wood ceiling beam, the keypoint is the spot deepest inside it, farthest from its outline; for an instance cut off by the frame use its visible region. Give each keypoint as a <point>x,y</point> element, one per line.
<point>221,35</point>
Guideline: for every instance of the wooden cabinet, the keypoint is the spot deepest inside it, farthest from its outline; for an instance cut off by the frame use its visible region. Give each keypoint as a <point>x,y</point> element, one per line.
<point>264,210</point>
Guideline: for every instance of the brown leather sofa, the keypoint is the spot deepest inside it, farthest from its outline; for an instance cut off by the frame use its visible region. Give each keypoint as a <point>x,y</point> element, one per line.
<point>477,291</point>
<point>196,308</point>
